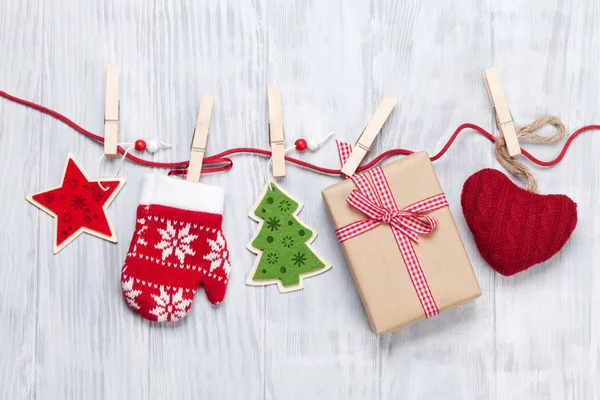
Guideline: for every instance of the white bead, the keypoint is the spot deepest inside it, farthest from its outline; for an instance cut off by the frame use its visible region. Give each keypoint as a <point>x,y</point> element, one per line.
<point>152,146</point>
<point>313,144</point>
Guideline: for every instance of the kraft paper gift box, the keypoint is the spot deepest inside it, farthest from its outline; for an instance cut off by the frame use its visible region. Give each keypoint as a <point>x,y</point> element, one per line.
<point>441,276</point>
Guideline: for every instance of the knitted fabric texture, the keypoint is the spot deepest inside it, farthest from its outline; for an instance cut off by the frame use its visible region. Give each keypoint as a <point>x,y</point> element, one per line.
<point>173,251</point>
<point>515,229</point>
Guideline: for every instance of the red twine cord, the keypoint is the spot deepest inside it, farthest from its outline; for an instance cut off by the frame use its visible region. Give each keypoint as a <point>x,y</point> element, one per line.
<point>219,162</point>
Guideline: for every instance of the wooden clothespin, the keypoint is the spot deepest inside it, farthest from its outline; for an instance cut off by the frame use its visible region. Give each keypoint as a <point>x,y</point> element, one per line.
<point>276,138</point>
<point>111,112</point>
<point>200,138</point>
<point>367,137</point>
<point>504,119</point>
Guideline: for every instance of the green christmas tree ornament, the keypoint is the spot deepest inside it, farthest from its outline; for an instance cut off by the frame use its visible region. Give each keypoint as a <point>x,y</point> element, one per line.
<point>282,243</point>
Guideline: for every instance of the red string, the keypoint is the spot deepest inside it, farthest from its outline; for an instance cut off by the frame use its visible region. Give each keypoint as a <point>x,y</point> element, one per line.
<point>220,162</point>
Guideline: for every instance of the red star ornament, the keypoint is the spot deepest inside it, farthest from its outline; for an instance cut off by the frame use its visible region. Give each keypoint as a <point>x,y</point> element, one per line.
<point>78,205</point>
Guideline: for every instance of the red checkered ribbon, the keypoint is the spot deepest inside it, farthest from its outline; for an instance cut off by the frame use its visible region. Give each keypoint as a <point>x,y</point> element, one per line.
<point>344,151</point>
<point>376,201</point>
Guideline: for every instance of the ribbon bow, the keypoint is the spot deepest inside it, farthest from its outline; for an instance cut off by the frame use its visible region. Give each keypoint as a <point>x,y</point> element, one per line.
<point>376,201</point>
<point>378,205</point>
<point>408,221</point>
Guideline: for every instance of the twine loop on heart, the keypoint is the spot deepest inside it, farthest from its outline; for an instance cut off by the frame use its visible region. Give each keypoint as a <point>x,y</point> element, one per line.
<point>516,167</point>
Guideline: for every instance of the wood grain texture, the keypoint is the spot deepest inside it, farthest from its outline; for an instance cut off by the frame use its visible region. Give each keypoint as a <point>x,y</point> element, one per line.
<point>66,332</point>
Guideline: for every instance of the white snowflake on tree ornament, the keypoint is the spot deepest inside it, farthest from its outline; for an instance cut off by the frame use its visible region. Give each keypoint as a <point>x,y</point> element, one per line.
<point>130,294</point>
<point>218,256</point>
<point>170,307</point>
<point>174,242</point>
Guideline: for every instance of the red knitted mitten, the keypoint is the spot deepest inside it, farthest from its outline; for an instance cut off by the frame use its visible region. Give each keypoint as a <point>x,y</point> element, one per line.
<point>177,245</point>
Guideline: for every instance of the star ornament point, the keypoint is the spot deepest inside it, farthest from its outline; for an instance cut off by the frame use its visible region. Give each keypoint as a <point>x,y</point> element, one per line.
<point>78,205</point>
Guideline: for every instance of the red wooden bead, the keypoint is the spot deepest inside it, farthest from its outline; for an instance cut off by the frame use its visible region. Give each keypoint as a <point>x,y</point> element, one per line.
<point>140,145</point>
<point>301,145</point>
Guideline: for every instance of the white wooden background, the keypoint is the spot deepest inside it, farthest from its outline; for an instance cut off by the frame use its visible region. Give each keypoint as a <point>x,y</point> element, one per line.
<point>65,331</point>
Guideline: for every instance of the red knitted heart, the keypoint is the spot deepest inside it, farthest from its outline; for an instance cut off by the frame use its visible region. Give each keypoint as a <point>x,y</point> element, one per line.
<point>515,229</point>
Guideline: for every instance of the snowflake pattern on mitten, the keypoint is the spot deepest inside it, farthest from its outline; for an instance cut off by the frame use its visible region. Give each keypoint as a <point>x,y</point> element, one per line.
<point>172,252</point>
